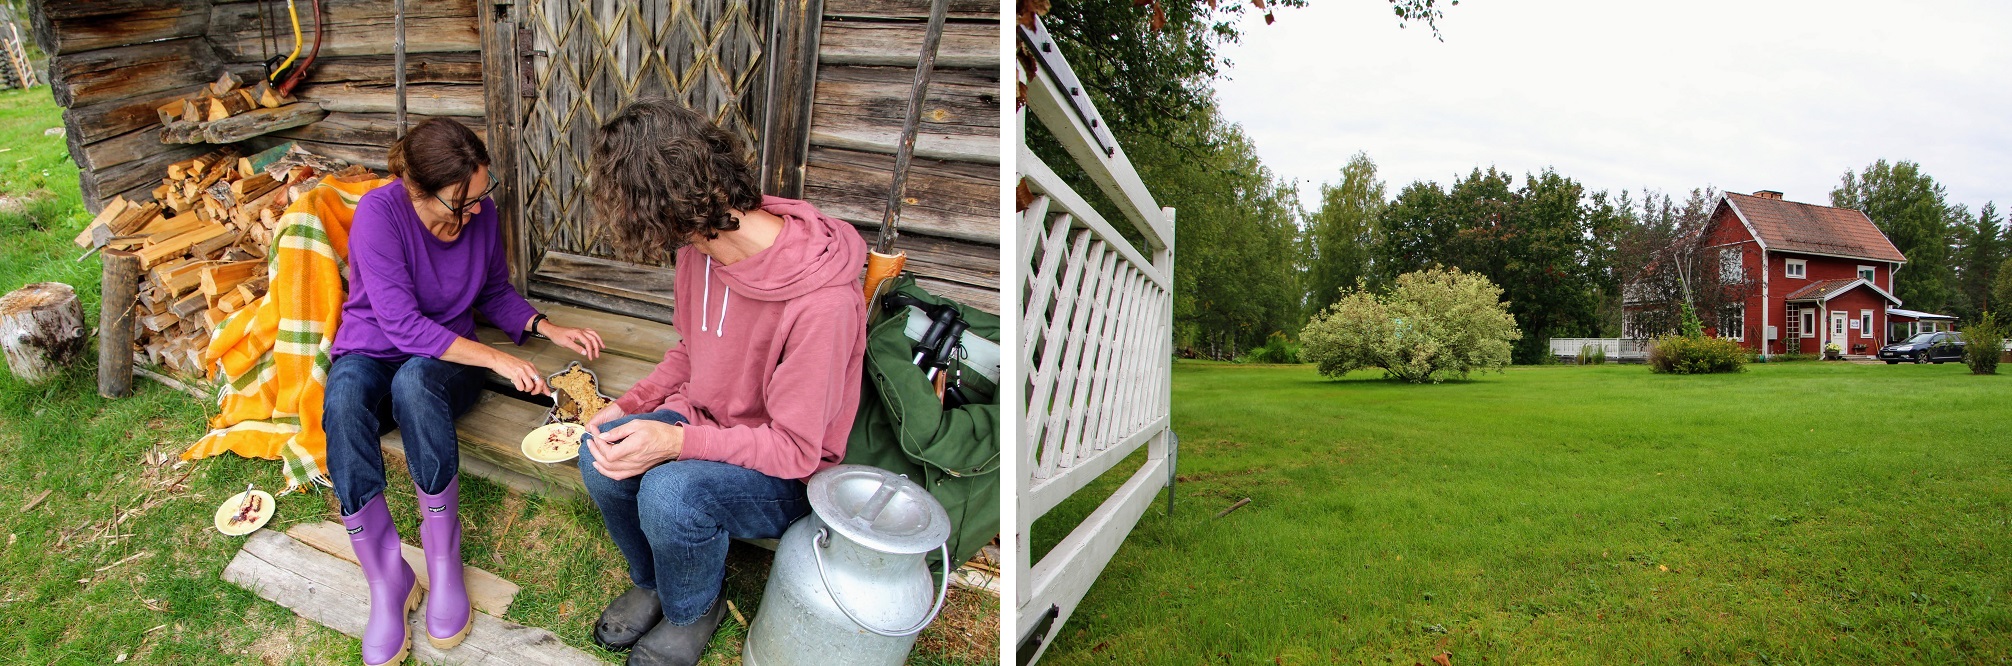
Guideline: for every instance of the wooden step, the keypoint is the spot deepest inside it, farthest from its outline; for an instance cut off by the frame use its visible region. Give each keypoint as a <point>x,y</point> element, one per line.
<point>487,592</point>
<point>324,588</point>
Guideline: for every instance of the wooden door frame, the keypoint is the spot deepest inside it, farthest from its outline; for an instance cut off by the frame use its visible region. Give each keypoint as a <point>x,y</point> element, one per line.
<point>786,110</point>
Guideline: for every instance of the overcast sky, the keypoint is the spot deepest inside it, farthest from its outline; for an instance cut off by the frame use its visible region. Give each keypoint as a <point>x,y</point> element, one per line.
<point>1624,95</point>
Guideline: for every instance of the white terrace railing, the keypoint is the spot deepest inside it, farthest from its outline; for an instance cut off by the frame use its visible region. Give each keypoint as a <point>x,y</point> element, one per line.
<point>1096,346</point>
<point>1616,348</point>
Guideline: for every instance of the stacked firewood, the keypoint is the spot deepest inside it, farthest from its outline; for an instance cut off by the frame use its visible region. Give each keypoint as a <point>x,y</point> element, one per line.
<point>202,243</point>
<point>228,111</point>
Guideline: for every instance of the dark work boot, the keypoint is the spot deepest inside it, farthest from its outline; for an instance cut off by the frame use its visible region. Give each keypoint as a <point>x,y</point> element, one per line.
<point>672,645</point>
<point>627,618</point>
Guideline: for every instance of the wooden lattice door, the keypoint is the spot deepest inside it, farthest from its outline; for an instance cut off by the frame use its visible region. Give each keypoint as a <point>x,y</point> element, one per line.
<point>586,60</point>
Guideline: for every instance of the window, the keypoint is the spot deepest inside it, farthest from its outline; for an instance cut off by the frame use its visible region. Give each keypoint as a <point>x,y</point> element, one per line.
<point>1733,323</point>
<point>1866,272</point>
<point>1809,323</point>
<point>1865,323</point>
<point>1796,268</point>
<point>1732,266</point>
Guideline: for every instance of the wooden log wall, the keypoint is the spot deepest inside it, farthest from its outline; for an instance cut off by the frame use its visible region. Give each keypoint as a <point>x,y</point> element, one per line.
<point>866,65</point>
<point>112,62</point>
<point>352,79</point>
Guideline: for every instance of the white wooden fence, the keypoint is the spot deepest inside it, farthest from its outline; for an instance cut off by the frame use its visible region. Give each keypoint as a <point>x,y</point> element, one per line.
<point>1096,322</point>
<point>1615,348</point>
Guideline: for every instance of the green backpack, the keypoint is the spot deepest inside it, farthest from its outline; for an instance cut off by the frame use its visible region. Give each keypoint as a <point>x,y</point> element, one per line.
<point>902,427</point>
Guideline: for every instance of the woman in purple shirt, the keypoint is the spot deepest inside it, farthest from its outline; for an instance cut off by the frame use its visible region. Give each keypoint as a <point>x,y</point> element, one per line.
<point>425,255</point>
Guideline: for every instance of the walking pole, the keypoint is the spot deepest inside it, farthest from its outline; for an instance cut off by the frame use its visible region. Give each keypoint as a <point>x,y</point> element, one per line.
<point>398,50</point>
<point>884,261</point>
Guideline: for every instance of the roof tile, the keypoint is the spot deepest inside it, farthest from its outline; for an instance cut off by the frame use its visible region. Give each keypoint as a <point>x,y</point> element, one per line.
<point>1790,226</point>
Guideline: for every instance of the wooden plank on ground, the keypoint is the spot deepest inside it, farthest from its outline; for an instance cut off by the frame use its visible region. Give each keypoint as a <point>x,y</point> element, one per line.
<point>487,592</point>
<point>323,588</point>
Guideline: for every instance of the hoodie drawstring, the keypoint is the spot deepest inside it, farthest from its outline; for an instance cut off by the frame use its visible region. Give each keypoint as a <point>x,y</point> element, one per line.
<point>706,303</point>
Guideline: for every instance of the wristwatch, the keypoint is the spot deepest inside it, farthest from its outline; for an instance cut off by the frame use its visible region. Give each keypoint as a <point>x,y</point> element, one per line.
<point>535,320</point>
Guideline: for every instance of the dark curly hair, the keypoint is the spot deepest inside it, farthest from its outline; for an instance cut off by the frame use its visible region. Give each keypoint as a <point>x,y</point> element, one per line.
<point>663,174</point>
<point>437,154</point>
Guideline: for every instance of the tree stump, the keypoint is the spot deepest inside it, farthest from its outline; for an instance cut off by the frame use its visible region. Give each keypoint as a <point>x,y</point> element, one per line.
<point>41,329</point>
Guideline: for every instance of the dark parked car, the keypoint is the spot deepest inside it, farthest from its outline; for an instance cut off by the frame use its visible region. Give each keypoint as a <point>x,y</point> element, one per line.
<point>1927,347</point>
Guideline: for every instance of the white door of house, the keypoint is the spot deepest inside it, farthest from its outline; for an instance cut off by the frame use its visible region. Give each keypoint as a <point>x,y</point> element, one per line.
<point>1838,323</point>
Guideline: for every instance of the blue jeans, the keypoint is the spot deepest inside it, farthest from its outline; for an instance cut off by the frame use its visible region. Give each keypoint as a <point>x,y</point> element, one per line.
<point>367,397</point>
<point>673,522</point>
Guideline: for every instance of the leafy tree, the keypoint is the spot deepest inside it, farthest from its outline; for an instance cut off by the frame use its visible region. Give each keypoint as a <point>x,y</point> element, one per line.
<point>1983,342</point>
<point>1910,207</point>
<point>1541,242</point>
<point>1342,235</point>
<point>1982,246</point>
<point>1432,325</point>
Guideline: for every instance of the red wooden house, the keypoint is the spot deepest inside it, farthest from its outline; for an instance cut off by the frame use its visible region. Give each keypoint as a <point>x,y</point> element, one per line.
<point>1815,274</point>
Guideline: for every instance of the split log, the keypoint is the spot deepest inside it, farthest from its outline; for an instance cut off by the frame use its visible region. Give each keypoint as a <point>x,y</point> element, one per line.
<point>115,324</point>
<point>225,84</point>
<point>97,122</point>
<point>255,164</point>
<point>41,329</point>
<point>262,121</point>
<point>227,105</point>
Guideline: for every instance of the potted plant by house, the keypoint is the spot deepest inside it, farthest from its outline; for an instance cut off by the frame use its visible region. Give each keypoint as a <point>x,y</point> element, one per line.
<point>1831,351</point>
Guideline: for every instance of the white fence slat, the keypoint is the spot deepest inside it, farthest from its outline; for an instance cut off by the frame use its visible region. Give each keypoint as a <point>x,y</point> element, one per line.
<point>1051,350</point>
<point>1044,181</point>
<point>1096,357</point>
<point>1072,363</point>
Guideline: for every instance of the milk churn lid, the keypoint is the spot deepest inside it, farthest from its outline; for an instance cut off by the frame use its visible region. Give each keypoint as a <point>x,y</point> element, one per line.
<point>879,509</point>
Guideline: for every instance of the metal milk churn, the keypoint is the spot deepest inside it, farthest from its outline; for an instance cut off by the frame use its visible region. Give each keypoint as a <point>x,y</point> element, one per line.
<point>851,583</point>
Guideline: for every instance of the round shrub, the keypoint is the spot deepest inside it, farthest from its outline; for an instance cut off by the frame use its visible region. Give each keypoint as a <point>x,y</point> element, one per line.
<point>1695,355</point>
<point>1433,324</point>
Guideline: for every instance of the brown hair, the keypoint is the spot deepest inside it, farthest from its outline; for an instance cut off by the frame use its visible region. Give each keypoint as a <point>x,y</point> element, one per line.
<point>447,153</point>
<point>662,174</point>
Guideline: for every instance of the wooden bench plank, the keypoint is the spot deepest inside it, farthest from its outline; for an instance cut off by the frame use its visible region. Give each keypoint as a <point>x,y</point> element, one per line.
<point>640,339</point>
<point>616,372</point>
<point>491,435</point>
<point>323,588</point>
<point>487,592</point>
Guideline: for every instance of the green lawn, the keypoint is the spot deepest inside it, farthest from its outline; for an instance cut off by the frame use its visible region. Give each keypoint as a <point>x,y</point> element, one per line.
<point>138,573</point>
<point>1796,513</point>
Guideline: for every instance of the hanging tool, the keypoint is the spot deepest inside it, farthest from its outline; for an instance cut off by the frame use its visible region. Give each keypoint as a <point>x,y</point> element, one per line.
<point>884,261</point>
<point>278,64</point>
<point>299,73</point>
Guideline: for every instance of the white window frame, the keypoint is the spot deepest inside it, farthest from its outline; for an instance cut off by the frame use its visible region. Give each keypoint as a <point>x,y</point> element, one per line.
<point>1732,265</point>
<point>1809,322</point>
<point>1865,324</point>
<point>1863,270</point>
<point>1739,332</point>
<point>1797,269</point>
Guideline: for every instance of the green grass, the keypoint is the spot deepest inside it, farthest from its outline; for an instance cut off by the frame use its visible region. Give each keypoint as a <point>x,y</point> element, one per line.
<point>168,605</point>
<point>1795,513</point>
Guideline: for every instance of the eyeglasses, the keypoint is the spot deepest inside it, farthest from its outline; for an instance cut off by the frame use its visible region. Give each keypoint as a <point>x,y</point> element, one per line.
<point>470,205</point>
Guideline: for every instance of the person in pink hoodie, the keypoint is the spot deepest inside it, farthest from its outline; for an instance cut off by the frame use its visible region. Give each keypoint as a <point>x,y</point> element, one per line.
<point>758,394</point>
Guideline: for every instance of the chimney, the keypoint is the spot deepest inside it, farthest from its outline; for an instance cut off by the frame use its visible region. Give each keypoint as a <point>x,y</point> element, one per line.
<point>1768,194</point>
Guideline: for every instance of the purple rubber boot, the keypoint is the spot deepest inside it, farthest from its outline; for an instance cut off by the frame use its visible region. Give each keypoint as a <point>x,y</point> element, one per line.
<point>394,590</point>
<point>448,617</point>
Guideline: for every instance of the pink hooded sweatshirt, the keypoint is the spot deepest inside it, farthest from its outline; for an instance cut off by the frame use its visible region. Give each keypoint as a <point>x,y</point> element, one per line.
<point>769,366</point>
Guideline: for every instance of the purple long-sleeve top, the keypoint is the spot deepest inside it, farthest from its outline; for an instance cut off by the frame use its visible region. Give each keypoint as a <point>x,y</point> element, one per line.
<point>410,293</point>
